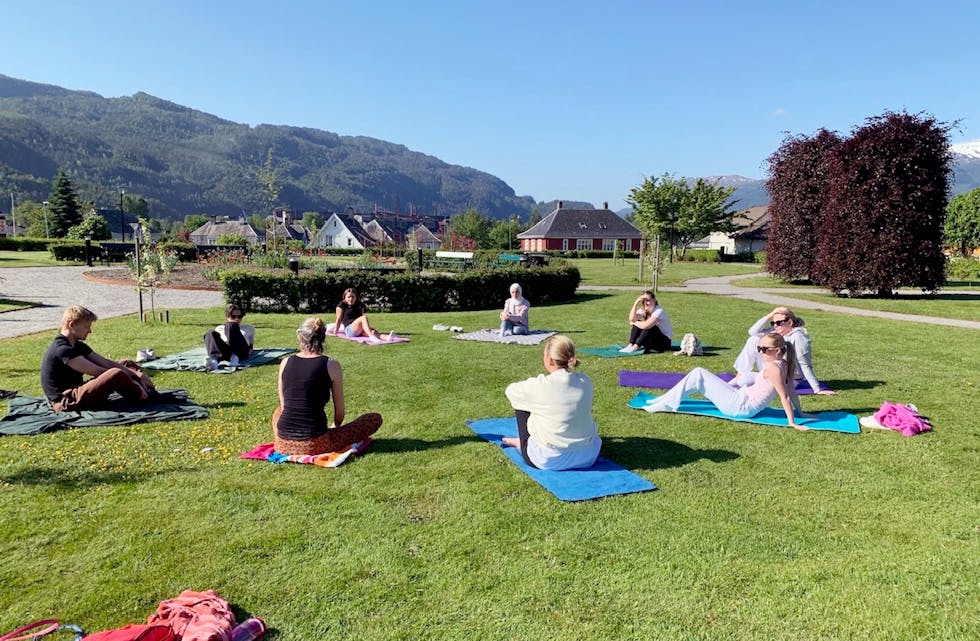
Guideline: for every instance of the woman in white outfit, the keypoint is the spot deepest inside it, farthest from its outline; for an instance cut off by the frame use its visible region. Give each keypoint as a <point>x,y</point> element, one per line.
<point>784,322</point>
<point>774,379</point>
<point>554,412</point>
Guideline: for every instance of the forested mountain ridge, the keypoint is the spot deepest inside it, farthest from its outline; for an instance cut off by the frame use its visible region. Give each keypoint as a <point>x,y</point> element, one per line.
<point>185,161</point>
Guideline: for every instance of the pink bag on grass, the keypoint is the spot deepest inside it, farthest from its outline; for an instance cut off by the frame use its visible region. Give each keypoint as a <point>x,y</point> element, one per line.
<point>902,418</point>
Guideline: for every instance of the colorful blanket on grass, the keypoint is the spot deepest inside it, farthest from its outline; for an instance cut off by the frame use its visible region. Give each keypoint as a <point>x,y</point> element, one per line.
<point>367,341</point>
<point>30,415</point>
<point>825,421</point>
<point>193,360</point>
<point>493,336</point>
<point>267,452</point>
<point>666,380</point>
<point>604,478</point>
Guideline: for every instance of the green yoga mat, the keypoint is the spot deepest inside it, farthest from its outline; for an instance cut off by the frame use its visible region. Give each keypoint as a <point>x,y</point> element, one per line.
<point>193,360</point>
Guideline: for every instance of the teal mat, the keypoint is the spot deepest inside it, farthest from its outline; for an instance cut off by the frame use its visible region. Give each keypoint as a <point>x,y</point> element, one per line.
<point>826,421</point>
<point>611,351</point>
<point>193,360</point>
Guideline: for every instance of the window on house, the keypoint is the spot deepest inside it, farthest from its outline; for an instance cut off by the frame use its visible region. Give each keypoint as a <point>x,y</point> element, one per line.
<point>564,244</point>
<point>349,242</point>
<point>583,243</point>
<point>608,244</point>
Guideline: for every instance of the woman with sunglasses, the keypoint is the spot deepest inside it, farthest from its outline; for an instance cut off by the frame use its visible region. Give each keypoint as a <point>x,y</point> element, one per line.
<point>232,342</point>
<point>774,379</point>
<point>650,329</point>
<point>784,322</point>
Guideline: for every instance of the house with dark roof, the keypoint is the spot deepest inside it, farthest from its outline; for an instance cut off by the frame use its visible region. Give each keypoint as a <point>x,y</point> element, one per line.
<point>342,230</point>
<point>581,229</point>
<point>750,236</point>
<point>374,229</point>
<point>211,231</point>
<point>421,237</point>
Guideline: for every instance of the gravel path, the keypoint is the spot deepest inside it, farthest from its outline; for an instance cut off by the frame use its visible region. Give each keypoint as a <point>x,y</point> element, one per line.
<point>58,287</point>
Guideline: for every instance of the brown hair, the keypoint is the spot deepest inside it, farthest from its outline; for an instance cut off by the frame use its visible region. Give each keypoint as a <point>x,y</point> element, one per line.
<point>561,349</point>
<point>349,290</point>
<point>233,307</point>
<point>76,313</point>
<point>789,354</point>
<point>311,334</point>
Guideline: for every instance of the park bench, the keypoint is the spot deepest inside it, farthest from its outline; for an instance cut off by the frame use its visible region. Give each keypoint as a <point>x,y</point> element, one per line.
<point>452,261</point>
<point>508,260</point>
<point>115,252</point>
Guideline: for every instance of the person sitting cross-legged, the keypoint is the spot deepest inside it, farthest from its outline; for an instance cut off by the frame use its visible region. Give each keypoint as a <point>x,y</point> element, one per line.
<point>232,342</point>
<point>68,360</point>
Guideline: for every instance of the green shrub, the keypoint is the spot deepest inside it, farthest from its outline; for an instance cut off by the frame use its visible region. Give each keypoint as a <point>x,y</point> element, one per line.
<point>21,244</point>
<point>701,256</point>
<point>71,250</point>
<point>186,252</point>
<point>963,268</point>
<point>400,292</point>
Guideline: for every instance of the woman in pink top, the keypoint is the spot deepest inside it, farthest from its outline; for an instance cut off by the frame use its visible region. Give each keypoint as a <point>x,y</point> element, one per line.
<point>774,379</point>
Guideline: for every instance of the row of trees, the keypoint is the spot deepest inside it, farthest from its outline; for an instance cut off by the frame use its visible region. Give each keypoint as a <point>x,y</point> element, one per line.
<point>862,213</point>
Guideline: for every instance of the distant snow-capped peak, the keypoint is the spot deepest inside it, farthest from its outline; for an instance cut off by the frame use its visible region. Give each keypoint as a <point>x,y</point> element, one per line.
<point>970,149</point>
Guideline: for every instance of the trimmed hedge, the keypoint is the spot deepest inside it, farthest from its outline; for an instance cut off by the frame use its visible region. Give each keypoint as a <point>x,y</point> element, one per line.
<point>701,256</point>
<point>20,244</point>
<point>319,293</point>
<point>72,250</point>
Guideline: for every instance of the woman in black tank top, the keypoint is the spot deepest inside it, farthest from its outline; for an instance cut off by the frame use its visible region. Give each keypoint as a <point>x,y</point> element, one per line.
<point>307,381</point>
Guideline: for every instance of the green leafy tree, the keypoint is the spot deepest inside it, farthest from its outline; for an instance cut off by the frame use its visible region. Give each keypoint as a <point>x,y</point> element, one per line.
<point>503,234</point>
<point>194,221</point>
<point>64,209</point>
<point>135,205</point>
<point>963,222</point>
<point>270,179</point>
<point>657,207</point>
<point>30,215</point>
<point>705,208</point>
<point>232,239</point>
<point>471,224</point>
<point>312,220</point>
<point>94,226</point>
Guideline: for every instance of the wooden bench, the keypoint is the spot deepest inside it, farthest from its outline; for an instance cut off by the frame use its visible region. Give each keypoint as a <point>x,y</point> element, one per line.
<point>115,252</point>
<point>451,261</point>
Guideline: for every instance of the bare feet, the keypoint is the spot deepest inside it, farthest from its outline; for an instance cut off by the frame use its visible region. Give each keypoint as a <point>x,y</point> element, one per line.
<point>510,441</point>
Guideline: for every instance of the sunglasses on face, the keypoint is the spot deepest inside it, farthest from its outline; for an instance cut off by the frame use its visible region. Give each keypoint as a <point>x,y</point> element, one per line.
<point>779,322</point>
<point>234,316</point>
<point>765,349</point>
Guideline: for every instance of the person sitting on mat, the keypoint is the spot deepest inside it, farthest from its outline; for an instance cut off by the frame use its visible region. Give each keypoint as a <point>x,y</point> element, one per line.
<point>69,359</point>
<point>784,322</point>
<point>775,379</point>
<point>232,342</point>
<point>649,326</point>
<point>307,381</point>
<point>513,318</point>
<point>554,412</point>
<point>352,319</point>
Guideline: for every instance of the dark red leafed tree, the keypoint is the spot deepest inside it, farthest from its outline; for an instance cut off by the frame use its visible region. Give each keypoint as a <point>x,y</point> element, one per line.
<point>797,187</point>
<point>882,225</point>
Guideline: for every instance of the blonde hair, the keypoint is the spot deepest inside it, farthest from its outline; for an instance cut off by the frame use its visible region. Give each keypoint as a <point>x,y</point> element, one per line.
<point>561,349</point>
<point>789,354</point>
<point>311,334</point>
<point>76,313</point>
<point>788,313</point>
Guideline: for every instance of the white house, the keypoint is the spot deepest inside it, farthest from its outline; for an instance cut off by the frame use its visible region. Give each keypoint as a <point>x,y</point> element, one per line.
<point>341,230</point>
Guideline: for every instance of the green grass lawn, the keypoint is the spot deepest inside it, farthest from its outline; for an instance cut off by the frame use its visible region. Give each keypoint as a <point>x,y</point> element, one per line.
<point>962,306</point>
<point>769,281</point>
<point>755,533</point>
<point>602,271</point>
<point>31,259</point>
<point>8,305</point>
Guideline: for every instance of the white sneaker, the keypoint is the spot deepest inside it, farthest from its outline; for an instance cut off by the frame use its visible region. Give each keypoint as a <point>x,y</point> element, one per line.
<point>233,361</point>
<point>141,356</point>
<point>439,327</point>
<point>456,328</point>
<point>391,336</point>
<point>211,363</point>
<point>630,350</point>
<point>151,355</point>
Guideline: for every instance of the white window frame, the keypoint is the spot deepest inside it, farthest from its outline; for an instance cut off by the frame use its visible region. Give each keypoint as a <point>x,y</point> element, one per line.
<point>583,244</point>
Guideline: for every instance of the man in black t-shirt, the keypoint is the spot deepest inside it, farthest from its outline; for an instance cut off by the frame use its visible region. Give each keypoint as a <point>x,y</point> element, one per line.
<point>68,360</point>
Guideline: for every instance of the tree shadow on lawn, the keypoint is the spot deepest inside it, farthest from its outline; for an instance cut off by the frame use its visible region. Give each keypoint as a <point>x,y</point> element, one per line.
<point>841,385</point>
<point>73,480</point>
<point>657,454</point>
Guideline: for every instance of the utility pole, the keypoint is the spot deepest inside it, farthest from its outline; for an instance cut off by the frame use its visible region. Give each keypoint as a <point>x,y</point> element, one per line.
<point>13,215</point>
<point>122,217</point>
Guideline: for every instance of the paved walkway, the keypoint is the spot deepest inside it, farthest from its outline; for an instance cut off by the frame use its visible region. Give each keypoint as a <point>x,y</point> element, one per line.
<point>58,287</point>
<point>722,286</point>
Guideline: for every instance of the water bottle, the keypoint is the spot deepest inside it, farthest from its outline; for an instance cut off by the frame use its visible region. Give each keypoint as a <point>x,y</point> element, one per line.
<point>249,630</point>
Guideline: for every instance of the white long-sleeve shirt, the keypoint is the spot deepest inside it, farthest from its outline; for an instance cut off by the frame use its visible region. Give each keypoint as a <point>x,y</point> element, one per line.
<point>560,404</point>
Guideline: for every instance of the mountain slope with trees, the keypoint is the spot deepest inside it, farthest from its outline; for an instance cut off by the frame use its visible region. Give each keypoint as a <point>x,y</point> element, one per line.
<point>184,161</point>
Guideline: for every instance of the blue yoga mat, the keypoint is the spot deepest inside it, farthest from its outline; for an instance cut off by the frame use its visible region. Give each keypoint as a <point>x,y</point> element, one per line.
<point>604,478</point>
<point>827,421</point>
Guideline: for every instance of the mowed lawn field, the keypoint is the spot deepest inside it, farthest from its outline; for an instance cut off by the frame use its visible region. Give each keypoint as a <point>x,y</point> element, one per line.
<point>755,533</point>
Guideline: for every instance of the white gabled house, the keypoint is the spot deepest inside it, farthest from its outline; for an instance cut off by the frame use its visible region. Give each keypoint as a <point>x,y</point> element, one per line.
<point>341,230</point>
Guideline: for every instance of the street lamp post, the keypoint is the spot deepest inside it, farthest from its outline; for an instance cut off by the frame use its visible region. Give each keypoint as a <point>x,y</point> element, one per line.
<point>139,273</point>
<point>122,216</point>
<point>13,214</point>
<point>46,233</point>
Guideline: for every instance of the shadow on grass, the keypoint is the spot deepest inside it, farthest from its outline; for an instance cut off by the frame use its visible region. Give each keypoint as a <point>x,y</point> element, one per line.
<point>224,404</point>
<point>73,479</point>
<point>397,445</point>
<point>657,454</point>
<point>839,385</point>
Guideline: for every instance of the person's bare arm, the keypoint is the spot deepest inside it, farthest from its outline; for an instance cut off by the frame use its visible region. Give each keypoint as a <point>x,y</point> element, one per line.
<point>337,392</point>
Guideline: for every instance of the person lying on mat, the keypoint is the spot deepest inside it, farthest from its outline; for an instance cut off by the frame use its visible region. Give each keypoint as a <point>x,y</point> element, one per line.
<point>352,318</point>
<point>774,379</point>
<point>554,412</point>
<point>649,326</point>
<point>307,380</point>
<point>513,318</point>
<point>69,359</point>
<point>232,342</point>
<point>784,322</point>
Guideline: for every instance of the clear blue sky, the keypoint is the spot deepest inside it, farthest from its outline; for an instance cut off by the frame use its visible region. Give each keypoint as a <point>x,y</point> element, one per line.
<point>573,100</point>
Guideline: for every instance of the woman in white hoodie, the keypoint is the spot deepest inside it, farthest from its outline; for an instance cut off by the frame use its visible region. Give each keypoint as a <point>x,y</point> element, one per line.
<point>554,412</point>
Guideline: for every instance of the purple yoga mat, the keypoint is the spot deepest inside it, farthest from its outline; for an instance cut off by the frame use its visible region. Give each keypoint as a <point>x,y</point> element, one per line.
<point>666,380</point>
